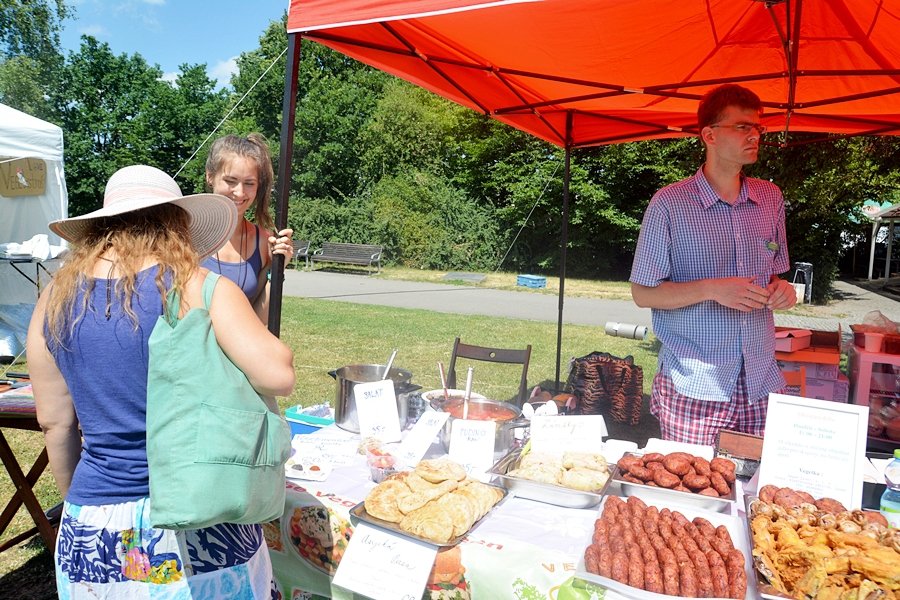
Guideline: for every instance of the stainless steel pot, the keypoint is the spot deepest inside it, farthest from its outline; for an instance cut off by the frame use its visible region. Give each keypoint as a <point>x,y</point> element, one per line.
<point>345,414</point>
<point>504,437</point>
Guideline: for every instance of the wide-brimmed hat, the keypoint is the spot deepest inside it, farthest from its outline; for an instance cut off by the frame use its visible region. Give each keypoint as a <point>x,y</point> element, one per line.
<point>213,217</point>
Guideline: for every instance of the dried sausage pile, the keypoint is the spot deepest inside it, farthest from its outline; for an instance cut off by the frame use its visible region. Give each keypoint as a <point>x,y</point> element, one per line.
<point>679,471</point>
<point>662,552</point>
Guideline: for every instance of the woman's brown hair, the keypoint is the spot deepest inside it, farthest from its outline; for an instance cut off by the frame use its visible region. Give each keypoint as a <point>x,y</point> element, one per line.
<point>256,148</point>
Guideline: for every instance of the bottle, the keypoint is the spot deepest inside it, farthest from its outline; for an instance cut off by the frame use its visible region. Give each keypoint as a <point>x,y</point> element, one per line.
<point>890,499</point>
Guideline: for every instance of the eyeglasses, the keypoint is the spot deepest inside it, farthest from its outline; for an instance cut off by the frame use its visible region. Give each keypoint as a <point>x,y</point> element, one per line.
<point>745,128</point>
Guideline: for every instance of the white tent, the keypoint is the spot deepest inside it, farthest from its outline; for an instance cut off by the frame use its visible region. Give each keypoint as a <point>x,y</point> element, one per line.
<point>888,217</point>
<point>32,193</point>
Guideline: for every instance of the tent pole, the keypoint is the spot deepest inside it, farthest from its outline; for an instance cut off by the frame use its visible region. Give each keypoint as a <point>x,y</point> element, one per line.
<point>887,260</point>
<point>872,247</point>
<point>564,244</point>
<point>283,187</point>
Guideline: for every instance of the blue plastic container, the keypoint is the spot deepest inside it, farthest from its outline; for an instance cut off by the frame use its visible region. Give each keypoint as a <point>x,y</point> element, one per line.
<point>532,281</point>
<point>301,423</point>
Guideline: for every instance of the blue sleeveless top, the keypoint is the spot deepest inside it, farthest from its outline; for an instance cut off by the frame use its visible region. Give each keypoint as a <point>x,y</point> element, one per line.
<point>104,364</point>
<point>244,273</point>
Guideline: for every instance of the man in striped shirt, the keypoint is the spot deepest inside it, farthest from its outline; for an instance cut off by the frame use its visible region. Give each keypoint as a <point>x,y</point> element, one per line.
<point>707,262</point>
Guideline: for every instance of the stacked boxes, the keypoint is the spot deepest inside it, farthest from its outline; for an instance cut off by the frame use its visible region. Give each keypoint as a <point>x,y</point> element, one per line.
<point>821,359</point>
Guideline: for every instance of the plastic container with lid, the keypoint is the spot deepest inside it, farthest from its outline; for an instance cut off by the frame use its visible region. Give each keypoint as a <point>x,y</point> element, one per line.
<point>890,499</point>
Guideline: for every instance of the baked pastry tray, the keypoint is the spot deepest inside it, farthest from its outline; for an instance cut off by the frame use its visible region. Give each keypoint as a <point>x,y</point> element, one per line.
<point>547,492</point>
<point>664,496</point>
<point>359,512</point>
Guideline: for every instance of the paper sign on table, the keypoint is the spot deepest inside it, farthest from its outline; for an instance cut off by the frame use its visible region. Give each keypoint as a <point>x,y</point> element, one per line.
<point>331,444</point>
<point>817,446</point>
<point>419,439</point>
<point>376,407</point>
<point>385,566</point>
<point>472,445</point>
<point>578,433</point>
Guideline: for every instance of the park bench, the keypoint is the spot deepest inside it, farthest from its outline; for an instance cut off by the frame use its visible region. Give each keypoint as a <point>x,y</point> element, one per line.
<point>301,250</point>
<point>350,254</point>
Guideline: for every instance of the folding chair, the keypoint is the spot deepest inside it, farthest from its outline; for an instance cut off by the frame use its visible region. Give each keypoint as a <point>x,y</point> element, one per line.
<point>495,355</point>
<point>796,379</point>
<point>20,414</point>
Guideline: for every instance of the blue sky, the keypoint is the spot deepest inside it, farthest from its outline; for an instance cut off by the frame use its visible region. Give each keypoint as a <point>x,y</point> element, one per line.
<point>169,33</point>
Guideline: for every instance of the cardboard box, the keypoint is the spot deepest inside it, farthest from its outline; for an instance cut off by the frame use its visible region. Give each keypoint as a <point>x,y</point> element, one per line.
<point>791,340</point>
<point>828,341</point>
<point>826,369</point>
<point>836,390</point>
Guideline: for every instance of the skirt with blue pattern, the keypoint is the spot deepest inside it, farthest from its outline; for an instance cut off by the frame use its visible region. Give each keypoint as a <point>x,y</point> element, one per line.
<point>111,551</point>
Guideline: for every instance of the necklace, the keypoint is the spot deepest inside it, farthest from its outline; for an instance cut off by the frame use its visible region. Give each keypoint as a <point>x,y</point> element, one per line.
<point>109,285</point>
<point>243,264</point>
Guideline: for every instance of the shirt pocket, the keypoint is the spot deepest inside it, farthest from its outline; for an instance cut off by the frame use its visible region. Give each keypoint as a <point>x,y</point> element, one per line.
<point>764,252</point>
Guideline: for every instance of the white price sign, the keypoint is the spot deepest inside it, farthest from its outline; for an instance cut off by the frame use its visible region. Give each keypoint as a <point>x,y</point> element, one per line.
<point>376,406</point>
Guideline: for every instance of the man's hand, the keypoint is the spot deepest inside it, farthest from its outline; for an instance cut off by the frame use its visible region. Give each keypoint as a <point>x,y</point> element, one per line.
<point>740,293</point>
<point>781,294</point>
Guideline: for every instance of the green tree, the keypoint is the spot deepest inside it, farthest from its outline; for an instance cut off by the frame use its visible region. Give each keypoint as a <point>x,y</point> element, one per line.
<point>29,55</point>
<point>116,111</point>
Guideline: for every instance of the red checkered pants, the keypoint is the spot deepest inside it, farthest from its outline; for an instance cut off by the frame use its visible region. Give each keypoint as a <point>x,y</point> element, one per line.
<point>685,419</point>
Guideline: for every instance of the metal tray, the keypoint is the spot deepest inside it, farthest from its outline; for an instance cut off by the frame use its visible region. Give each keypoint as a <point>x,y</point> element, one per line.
<point>547,492</point>
<point>733,524</point>
<point>666,496</point>
<point>763,587</point>
<point>359,512</point>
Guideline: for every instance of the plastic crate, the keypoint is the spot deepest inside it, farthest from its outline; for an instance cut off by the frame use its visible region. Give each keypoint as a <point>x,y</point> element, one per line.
<point>301,423</point>
<point>532,281</point>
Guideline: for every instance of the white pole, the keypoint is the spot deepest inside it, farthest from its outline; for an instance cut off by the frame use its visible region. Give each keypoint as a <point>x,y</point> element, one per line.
<point>875,225</point>
<point>887,263</point>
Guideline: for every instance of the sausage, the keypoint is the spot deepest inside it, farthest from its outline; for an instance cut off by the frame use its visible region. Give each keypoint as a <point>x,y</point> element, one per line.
<point>591,559</point>
<point>619,570</point>
<point>604,561</point>
<point>688,579</point>
<point>787,498</point>
<point>617,538</point>
<point>709,492</point>
<point>718,574</point>
<point>704,527</point>
<point>737,577</point>
<point>653,457</point>
<point>635,568</point>
<point>702,543</point>
<point>648,553</point>
<point>641,472</point>
<point>830,505</point>
<point>636,506</point>
<point>671,584</point>
<point>722,534</point>
<point>807,497</point>
<point>664,478</point>
<point>701,568</point>
<point>653,578</point>
<point>734,561</point>
<point>737,587</point>
<point>723,466</point>
<point>695,481</point>
<point>665,529</point>
<point>654,465</point>
<point>627,460</point>
<point>657,542</point>
<point>701,465</point>
<point>626,476</point>
<point>601,533</point>
<point>767,493</point>
<point>676,464</point>
<point>719,484</point>
<point>720,546</point>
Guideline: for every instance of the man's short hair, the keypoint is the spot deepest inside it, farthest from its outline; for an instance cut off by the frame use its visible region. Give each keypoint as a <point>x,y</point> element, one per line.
<point>716,100</point>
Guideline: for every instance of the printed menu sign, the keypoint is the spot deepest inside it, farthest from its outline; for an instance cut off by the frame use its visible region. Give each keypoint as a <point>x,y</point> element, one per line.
<point>376,406</point>
<point>384,566</point>
<point>577,433</point>
<point>817,446</point>
<point>472,445</point>
<point>421,436</point>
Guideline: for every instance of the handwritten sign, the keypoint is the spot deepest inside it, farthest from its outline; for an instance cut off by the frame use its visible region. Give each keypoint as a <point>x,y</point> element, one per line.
<point>817,446</point>
<point>376,406</point>
<point>472,445</point>
<point>330,444</point>
<point>576,433</point>
<point>385,566</point>
<point>421,436</point>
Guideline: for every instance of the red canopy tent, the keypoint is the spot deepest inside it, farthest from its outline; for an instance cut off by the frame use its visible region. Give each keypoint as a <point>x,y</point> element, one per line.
<point>579,73</point>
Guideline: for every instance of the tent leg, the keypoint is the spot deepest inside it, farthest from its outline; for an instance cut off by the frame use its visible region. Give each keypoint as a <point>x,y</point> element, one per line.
<point>289,111</point>
<point>875,225</point>
<point>564,244</point>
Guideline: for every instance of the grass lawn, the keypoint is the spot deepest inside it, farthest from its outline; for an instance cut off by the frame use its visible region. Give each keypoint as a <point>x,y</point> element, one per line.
<point>326,335</point>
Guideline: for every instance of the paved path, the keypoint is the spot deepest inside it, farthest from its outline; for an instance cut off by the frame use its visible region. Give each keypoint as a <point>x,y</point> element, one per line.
<point>851,303</point>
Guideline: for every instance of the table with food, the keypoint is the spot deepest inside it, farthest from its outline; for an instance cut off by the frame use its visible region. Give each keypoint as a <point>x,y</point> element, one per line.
<point>571,523</point>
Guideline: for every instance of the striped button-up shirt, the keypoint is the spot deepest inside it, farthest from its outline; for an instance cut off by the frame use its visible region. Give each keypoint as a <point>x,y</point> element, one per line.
<point>688,234</point>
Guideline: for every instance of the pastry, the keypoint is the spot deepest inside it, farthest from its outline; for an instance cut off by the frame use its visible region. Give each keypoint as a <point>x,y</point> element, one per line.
<point>579,478</point>
<point>584,460</point>
<point>440,469</point>
<point>383,500</point>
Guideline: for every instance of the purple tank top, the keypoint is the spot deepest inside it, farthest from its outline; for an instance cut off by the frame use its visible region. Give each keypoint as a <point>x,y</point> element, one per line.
<point>244,273</point>
<point>104,363</point>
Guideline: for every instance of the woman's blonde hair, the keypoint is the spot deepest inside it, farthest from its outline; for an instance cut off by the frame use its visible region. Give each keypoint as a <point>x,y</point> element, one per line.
<point>161,232</point>
<point>256,148</point>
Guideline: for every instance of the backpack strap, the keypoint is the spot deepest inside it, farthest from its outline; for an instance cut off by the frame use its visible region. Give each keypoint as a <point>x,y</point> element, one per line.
<point>209,286</point>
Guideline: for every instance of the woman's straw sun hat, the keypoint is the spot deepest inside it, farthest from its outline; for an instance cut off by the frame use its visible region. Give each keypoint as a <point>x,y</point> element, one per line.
<point>213,217</point>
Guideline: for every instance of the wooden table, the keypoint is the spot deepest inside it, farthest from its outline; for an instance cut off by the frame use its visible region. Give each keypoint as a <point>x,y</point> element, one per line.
<point>20,415</point>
